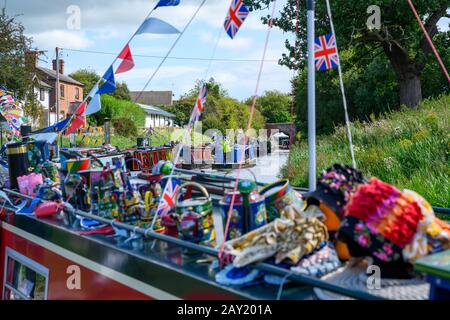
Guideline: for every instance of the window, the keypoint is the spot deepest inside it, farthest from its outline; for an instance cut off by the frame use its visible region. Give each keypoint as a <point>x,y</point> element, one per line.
<point>61,91</point>
<point>77,93</point>
<point>41,94</point>
<point>24,279</point>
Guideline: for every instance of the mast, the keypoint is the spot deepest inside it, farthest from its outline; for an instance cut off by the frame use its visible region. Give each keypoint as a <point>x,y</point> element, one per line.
<point>57,95</point>
<point>311,99</point>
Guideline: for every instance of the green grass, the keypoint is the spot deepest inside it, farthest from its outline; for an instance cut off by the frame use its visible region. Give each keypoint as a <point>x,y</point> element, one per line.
<point>409,149</point>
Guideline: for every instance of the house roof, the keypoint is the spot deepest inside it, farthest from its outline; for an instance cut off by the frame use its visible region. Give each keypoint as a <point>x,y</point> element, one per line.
<point>42,84</point>
<point>152,98</point>
<point>155,110</point>
<point>62,77</point>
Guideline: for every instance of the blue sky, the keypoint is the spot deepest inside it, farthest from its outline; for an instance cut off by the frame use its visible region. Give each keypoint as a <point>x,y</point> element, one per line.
<point>107,25</point>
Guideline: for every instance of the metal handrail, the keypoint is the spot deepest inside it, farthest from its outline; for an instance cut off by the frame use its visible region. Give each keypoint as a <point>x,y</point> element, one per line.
<point>302,279</point>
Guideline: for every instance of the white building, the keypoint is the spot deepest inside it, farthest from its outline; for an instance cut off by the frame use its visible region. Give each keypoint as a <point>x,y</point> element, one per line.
<point>42,92</point>
<point>156,117</point>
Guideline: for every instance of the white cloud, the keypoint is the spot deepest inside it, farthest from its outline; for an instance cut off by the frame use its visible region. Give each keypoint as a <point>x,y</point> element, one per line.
<point>239,43</point>
<point>61,38</point>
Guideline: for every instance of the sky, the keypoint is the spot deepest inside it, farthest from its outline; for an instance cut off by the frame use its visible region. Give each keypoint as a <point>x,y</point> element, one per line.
<point>106,25</point>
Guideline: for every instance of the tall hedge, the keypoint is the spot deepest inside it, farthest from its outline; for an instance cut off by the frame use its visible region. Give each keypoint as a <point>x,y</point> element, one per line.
<point>118,109</point>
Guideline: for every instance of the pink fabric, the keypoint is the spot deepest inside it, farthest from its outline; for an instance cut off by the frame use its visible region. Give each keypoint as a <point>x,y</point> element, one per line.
<point>28,183</point>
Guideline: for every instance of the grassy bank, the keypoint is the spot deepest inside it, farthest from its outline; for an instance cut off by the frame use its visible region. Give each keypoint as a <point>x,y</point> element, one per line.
<point>409,149</point>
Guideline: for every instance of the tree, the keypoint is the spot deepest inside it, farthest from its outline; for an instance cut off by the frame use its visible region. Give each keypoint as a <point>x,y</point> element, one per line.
<point>89,78</point>
<point>114,108</point>
<point>274,106</point>
<point>399,39</point>
<point>221,111</point>
<point>15,74</point>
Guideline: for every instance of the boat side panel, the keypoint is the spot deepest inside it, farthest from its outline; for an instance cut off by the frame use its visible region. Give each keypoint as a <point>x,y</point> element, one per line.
<point>92,284</point>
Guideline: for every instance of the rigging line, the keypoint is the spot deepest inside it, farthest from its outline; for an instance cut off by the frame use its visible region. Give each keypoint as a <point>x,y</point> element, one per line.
<point>170,50</point>
<point>191,118</point>
<point>252,111</point>
<point>175,57</point>
<point>341,82</point>
<point>430,42</point>
<point>115,59</point>
<point>294,73</point>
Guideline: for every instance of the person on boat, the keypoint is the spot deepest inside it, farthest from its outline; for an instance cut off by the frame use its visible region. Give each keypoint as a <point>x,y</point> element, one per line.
<point>226,147</point>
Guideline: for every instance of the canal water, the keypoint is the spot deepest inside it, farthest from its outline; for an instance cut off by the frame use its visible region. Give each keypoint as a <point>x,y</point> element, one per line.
<point>267,169</point>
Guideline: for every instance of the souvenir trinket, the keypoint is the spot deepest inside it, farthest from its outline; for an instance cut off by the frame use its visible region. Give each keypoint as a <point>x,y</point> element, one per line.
<point>249,210</point>
<point>195,216</point>
<point>279,195</point>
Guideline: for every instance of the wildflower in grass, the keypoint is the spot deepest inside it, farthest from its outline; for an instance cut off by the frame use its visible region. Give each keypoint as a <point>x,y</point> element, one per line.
<point>421,134</point>
<point>405,142</point>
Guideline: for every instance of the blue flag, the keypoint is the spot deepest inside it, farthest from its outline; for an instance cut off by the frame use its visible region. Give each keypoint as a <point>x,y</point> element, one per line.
<point>167,3</point>
<point>55,127</point>
<point>154,25</point>
<point>110,83</point>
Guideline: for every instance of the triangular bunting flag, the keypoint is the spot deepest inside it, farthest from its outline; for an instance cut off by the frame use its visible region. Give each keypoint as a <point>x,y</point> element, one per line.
<point>78,120</point>
<point>110,83</point>
<point>127,60</point>
<point>154,25</point>
<point>94,105</point>
<point>167,3</point>
<point>55,127</point>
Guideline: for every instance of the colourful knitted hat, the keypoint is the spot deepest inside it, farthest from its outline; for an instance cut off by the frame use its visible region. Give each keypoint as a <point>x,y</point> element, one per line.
<point>335,186</point>
<point>386,211</point>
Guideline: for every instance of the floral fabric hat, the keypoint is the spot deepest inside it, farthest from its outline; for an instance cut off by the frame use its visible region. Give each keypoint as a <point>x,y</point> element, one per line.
<point>335,187</point>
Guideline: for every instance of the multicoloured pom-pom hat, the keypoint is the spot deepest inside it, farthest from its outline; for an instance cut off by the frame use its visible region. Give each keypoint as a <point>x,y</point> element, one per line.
<point>334,189</point>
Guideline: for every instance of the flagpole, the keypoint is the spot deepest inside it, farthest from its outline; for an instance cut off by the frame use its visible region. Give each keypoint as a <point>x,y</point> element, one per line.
<point>311,99</point>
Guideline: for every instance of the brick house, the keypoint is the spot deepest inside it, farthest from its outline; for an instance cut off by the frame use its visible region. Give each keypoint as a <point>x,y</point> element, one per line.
<point>70,90</point>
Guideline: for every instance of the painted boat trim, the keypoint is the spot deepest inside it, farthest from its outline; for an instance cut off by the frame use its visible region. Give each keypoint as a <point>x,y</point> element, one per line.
<point>94,266</point>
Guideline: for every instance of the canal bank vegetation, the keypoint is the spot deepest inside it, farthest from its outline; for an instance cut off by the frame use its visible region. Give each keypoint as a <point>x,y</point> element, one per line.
<point>409,148</point>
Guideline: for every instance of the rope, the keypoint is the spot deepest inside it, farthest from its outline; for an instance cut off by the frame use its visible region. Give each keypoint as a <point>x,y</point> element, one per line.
<point>294,73</point>
<point>430,42</point>
<point>283,281</point>
<point>190,124</point>
<point>170,50</point>
<point>252,111</point>
<point>341,82</point>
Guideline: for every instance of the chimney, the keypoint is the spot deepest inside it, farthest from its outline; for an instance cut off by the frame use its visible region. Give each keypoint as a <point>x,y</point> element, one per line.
<point>31,59</point>
<point>61,65</point>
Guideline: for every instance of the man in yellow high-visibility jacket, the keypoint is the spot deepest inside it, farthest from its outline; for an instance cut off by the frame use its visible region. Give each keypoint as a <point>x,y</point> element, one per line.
<point>227,156</point>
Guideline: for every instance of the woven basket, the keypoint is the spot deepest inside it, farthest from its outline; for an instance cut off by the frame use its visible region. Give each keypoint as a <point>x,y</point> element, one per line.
<point>355,278</point>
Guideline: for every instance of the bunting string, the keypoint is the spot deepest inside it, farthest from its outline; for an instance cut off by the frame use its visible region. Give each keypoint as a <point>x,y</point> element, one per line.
<point>194,117</point>
<point>252,111</point>
<point>341,83</point>
<point>67,123</point>
<point>170,51</point>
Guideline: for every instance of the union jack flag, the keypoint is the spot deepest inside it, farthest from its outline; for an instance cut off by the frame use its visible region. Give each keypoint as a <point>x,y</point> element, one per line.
<point>201,101</point>
<point>168,198</point>
<point>236,15</point>
<point>325,52</point>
